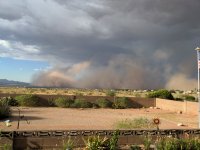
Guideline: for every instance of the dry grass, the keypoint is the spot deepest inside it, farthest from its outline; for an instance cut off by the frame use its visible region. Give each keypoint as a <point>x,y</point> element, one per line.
<point>66,91</point>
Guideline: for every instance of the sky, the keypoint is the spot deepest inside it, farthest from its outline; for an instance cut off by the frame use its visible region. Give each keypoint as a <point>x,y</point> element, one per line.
<point>136,44</point>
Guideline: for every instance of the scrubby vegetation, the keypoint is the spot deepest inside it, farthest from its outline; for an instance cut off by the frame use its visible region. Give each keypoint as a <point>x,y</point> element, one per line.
<point>98,143</point>
<point>111,93</point>
<point>149,143</point>
<point>81,103</point>
<point>64,102</point>
<point>168,143</point>
<point>88,92</point>
<point>11,101</point>
<point>6,147</point>
<point>95,143</point>
<point>122,103</point>
<point>28,100</point>
<point>185,97</point>
<point>176,144</point>
<point>189,98</point>
<point>104,103</point>
<point>164,94</point>
<point>137,123</point>
<point>119,103</point>
<point>4,109</point>
<point>68,144</point>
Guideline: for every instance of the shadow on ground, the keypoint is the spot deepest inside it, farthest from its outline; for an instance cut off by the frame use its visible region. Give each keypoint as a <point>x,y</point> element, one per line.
<point>25,117</point>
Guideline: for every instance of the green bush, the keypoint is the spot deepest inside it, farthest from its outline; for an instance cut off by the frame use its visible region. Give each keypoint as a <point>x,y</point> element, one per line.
<point>122,103</point>
<point>4,109</point>
<point>189,98</point>
<point>103,103</point>
<point>64,102</point>
<point>113,141</point>
<point>6,147</point>
<point>164,94</point>
<point>68,144</point>
<point>28,100</point>
<point>97,143</point>
<point>51,102</point>
<point>11,101</point>
<point>81,103</point>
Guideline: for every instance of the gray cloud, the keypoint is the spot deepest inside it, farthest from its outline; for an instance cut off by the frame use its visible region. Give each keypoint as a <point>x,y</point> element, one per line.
<point>155,37</point>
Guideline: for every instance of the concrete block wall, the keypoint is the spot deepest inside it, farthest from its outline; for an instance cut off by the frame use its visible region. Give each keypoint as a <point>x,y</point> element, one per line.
<point>171,105</point>
<point>191,107</point>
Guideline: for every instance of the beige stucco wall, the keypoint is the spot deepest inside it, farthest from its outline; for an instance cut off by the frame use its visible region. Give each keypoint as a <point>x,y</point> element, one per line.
<point>191,107</point>
<point>185,106</point>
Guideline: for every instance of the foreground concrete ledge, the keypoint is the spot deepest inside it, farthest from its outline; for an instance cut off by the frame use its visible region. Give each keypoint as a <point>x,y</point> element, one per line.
<point>49,133</point>
<point>54,139</point>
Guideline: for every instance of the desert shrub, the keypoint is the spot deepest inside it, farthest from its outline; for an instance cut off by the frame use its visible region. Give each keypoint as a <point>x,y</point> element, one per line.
<point>112,143</point>
<point>68,144</point>
<point>147,142</point>
<point>173,143</point>
<point>95,143</point>
<point>137,123</point>
<point>11,101</point>
<point>122,103</point>
<point>28,100</point>
<point>94,105</point>
<point>77,93</point>
<point>111,93</point>
<point>4,109</point>
<point>137,95</point>
<point>81,103</point>
<point>51,102</point>
<point>64,102</point>
<point>6,147</point>
<point>189,98</point>
<point>103,103</point>
<point>165,94</point>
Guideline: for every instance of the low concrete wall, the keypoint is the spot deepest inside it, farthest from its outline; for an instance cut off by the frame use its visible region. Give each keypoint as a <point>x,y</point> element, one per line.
<point>48,140</point>
<point>184,106</point>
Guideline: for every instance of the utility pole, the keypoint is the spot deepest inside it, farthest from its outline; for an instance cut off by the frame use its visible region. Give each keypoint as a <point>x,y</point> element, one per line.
<point>198,63</point>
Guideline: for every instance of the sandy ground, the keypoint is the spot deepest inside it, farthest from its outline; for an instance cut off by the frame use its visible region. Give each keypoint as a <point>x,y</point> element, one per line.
<point>87,119</point>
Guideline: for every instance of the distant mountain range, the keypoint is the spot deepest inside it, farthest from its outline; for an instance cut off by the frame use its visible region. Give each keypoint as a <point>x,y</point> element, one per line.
<point>5,82</point>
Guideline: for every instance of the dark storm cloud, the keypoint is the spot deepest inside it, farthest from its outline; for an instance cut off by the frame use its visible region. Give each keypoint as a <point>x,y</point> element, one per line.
<point>156,37</point>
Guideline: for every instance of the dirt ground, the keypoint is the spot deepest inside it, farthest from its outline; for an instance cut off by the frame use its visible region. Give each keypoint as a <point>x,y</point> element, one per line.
<point>87,119</point>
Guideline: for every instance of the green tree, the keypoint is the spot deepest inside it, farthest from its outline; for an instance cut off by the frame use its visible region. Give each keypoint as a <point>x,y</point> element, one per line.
<point>164,94</point>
